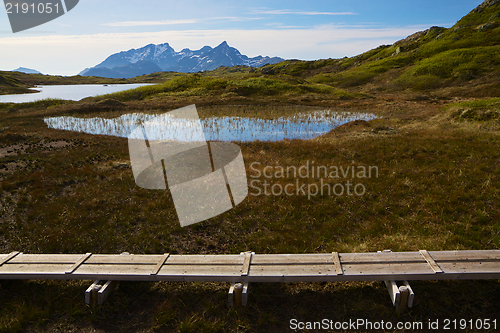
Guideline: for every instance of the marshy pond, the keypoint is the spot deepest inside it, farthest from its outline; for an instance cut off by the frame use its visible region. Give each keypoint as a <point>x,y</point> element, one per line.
<point>301,125</point>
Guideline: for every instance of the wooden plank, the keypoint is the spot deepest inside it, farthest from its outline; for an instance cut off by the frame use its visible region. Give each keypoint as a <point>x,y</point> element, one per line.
<point>476,255</point>
<point>295,270</point>
<point>9,257</point>
<point>78,263</point>
<point>113,270</point>
<point>246,263</point>
<point>431,261</point>
<point>215,259</point>
<point>380,257</point>
<point>288,259</point>
<point>173,270</point>
<point>160,263</point>
<point>337,264</point>
<point>387,268</point>
<point>470,267</point>
<point>138,259</point>
<point>67,259</point>
<point>30,269</point>
<point>202,270</point>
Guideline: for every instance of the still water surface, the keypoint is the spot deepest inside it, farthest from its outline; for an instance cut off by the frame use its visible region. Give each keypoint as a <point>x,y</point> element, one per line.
<point>300,126</point>
<point>68,92</point>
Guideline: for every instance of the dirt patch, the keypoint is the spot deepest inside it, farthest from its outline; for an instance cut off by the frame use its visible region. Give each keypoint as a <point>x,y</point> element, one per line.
<point>22,149</point>
<point>10,167</point>
<point>384,130</point>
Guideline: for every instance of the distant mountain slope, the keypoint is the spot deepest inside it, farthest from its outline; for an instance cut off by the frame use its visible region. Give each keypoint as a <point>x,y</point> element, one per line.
<point>125,71</point>
<point>26,70</point>
<point>165,58</point>
<point>467,54</point>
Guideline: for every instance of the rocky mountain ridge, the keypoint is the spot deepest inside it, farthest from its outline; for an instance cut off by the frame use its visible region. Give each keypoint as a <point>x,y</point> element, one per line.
<point>156,58</point>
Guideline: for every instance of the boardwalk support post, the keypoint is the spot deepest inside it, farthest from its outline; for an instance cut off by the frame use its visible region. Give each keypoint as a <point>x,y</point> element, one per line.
<point>105,291</point>
<point>238,294</point>
<point>411,295</point>
<point>91,293</point>
<point>401,297</point>
<point>401,307</point>
<point>244,294</point>
<point>96,294</point>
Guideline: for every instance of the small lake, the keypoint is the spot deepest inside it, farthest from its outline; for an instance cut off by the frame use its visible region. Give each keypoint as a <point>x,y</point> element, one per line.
<point>304,126</point>
<point>68,92</point>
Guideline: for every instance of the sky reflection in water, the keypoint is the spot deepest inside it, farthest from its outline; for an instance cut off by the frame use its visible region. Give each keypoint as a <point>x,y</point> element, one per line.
<point>300,126</point>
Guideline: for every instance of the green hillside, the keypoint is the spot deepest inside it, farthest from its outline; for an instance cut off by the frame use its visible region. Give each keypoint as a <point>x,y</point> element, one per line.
<point>463,60</point>
<point>18,83</point>
<point>466,54</point>
<point>11,85</point>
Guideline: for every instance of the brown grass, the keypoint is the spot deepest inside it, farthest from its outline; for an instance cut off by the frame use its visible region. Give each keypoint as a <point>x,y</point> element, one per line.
<point>437,190</point>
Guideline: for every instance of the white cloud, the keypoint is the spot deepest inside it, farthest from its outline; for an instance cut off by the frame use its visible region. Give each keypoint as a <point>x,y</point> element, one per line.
<point>176,22</point>
<point>68,55</point>
<point>291,12</point>
<point>149,23</point>
<point>232,18</point>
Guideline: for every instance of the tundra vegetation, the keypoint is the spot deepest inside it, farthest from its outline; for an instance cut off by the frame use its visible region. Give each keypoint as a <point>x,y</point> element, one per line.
<point>436,146</point>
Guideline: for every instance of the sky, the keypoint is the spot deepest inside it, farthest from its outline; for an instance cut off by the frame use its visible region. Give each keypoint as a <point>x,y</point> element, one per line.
<point>291,29</point>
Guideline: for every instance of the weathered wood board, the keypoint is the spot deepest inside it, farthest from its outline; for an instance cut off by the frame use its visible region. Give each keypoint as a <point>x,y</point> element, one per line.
<point>250,267</point>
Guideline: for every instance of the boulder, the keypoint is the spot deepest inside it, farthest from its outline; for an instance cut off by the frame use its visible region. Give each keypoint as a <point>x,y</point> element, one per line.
<point>485,4</point>
<point>487,26</point>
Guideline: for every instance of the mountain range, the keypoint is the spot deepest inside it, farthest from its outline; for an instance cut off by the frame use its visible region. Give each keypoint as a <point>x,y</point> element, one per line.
<point>163,58</point>
<point>26,70</point>
<point>458,61</point>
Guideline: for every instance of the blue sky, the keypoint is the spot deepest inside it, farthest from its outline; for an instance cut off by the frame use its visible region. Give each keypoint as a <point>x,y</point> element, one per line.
<point>291,29</point>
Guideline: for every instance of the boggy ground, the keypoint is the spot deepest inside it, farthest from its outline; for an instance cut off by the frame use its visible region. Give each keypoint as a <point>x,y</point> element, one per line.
<point>437,189</point>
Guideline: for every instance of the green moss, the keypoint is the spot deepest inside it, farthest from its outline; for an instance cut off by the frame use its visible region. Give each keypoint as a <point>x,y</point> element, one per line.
<point>477,110</point>
<point>450,66</point>
<point>366,72</point>
<point>266,86</point>
<point>319,88</point>
<point>482,103</point>
<point>174,86</point>
<point>321,78</point>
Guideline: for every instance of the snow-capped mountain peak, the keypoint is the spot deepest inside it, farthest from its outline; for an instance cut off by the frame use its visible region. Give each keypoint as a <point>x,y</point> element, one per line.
<point>163,56</point>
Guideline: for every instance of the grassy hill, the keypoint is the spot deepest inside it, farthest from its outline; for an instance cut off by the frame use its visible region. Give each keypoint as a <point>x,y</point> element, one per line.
<point>467,54</point>
<point>18,83</point>
<point>463,60</point>
<point>11,85</point>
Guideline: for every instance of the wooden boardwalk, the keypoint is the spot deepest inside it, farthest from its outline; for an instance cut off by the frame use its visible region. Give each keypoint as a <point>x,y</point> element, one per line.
<point>249,267</point>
